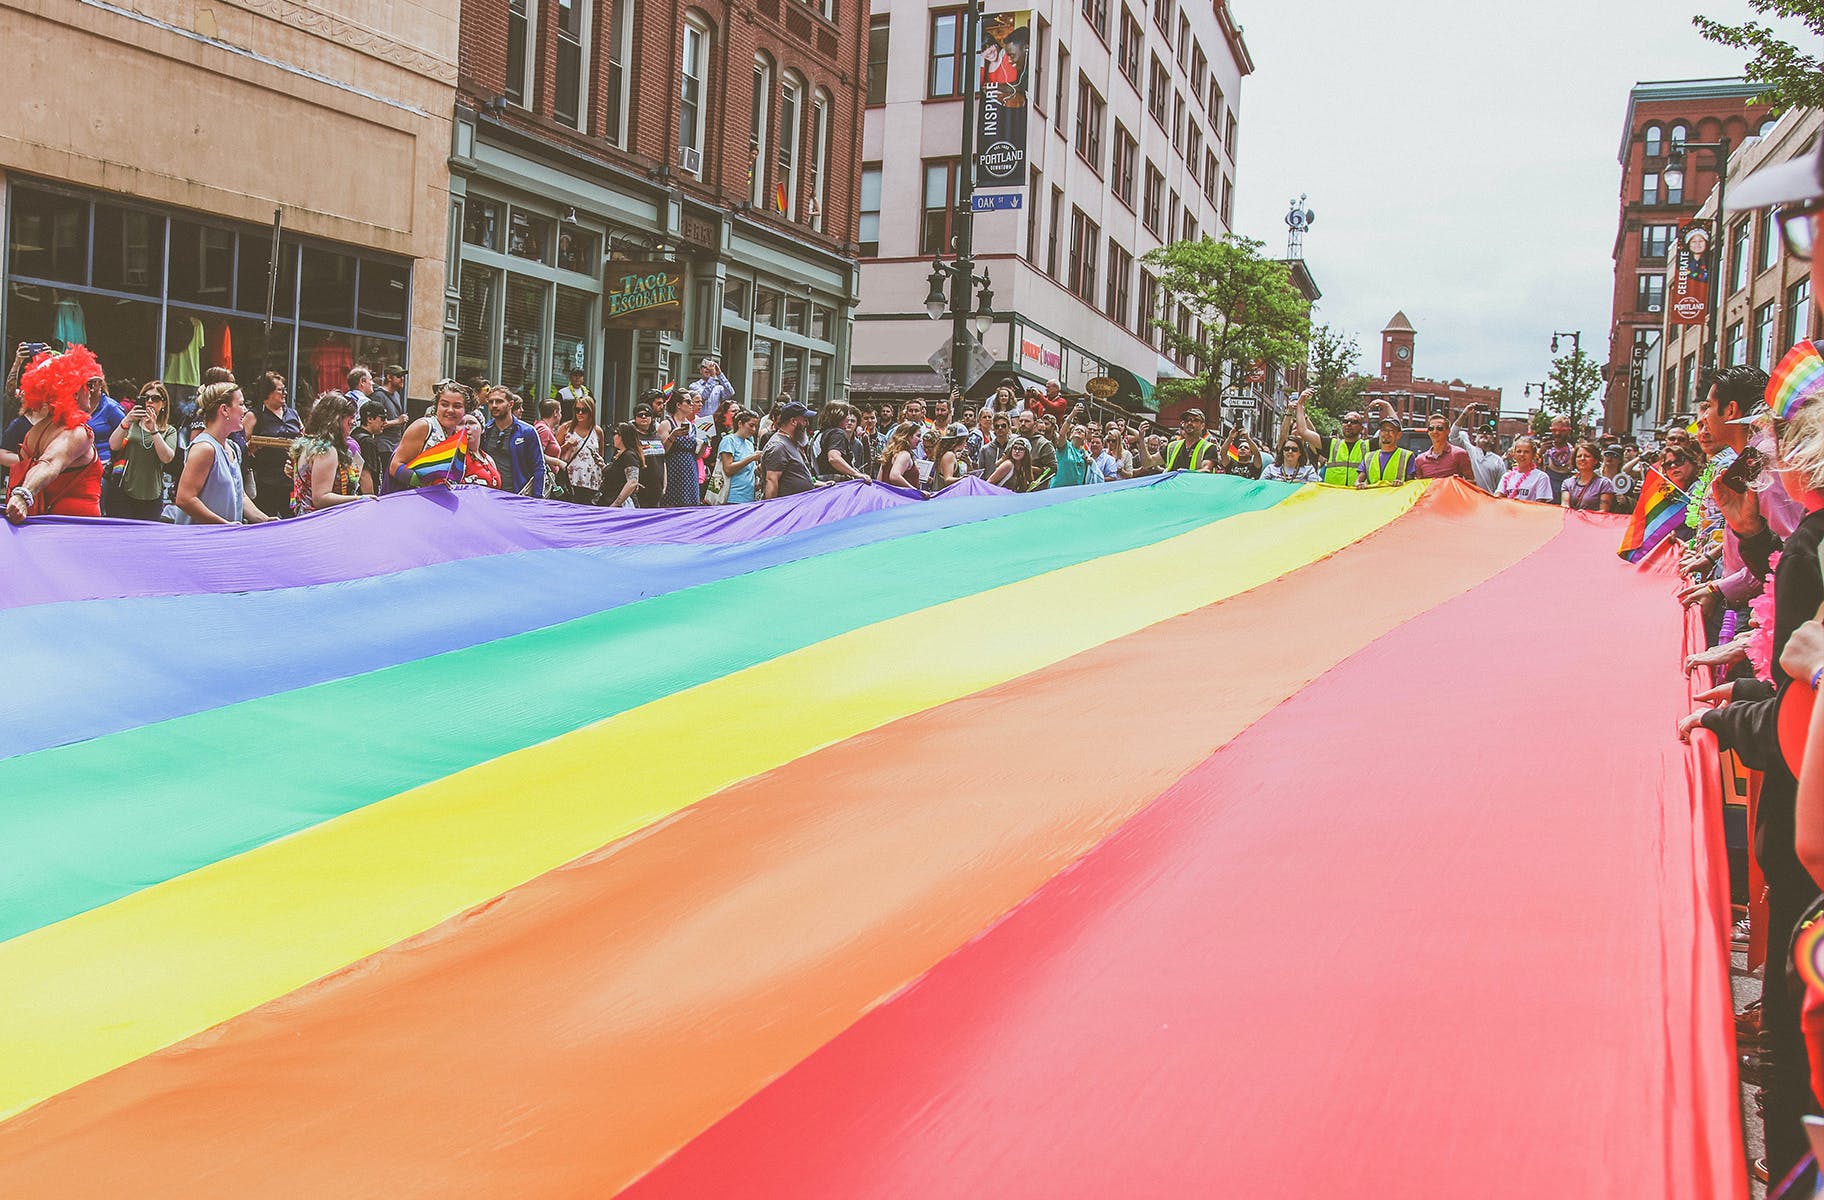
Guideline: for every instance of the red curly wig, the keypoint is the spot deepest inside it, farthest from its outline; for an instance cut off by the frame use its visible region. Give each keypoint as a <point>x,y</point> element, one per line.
<point>56,382</point>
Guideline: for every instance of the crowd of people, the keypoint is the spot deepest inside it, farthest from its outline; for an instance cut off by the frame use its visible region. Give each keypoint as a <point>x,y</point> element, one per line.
<point>1749,476</point>
<point>78,450</point>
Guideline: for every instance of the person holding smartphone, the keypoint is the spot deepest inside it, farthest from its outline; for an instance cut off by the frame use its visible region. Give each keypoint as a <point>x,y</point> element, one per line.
<point>148,440</point>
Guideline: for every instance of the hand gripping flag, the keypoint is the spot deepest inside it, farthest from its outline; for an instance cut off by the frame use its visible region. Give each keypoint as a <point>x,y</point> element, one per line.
<point>442,463</point>
<point>1656,514</point>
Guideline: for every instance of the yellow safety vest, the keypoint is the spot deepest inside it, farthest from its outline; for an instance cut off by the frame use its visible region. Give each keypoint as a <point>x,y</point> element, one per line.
<point>1389,473</point>
<point>1345,459</point>
<point>1176,447</point>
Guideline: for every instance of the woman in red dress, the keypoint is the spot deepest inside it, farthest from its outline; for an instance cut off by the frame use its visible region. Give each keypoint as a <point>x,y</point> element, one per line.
<point>58,472</point>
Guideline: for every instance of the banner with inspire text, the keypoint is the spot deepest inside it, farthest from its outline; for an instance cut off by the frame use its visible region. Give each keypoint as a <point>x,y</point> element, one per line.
<point>1004,58</point>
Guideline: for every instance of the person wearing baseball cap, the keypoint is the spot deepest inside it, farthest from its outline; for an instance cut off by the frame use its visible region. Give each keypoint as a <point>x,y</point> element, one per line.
<point>783,465</point>
<point>1191,450</point>
<point>1389,464</point>
<point>1794,190</point>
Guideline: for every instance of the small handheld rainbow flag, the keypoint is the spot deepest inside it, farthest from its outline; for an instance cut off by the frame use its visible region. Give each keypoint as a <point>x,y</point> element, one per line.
<point>442,463</point>
<point>665,392</point>
<point>1656,514</point>
<point>779,196</point>
<point>1798,378</point>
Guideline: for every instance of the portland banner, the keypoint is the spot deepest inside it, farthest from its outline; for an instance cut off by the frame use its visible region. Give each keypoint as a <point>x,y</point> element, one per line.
<point>1689,300</point>
<point>1000,134</point>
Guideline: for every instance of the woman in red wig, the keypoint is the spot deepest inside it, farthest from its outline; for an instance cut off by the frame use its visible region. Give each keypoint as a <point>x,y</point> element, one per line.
<point>58,472</point>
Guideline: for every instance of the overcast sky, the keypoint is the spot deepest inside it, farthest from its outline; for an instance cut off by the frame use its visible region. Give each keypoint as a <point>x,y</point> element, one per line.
<point>1461,158</point>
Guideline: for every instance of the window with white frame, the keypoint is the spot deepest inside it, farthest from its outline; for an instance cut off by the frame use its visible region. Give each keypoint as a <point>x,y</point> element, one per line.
<point>519,53</point>
<point>868,230</point>
<point>693,97</point>
<point>791,144</point>
<point>570,102</point>
<point>820,155</point>
<point>614,97</point>
<point>756,130</point>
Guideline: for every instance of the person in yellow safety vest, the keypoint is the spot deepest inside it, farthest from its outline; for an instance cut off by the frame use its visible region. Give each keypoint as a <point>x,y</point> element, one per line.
<point>1191,450</point>
<point>1388,464</point>
<point>1343,465</point>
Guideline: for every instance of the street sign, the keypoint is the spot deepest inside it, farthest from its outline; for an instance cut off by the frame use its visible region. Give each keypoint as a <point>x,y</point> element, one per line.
<point>977,362</point>
<point>996,201</point>
<point>1241,404</point>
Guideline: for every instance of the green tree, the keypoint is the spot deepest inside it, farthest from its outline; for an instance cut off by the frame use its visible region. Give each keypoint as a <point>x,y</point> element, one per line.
<point>1792,77</point>
<point>1333,378</point>
<point>1570,391</point>
<point>1245,307</point>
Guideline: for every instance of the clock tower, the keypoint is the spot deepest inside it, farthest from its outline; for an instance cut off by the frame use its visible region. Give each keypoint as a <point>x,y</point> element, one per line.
<point>1396,351</point>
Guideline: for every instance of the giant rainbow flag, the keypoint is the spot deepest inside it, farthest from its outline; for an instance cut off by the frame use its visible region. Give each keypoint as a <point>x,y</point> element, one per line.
<point>1183,837</point>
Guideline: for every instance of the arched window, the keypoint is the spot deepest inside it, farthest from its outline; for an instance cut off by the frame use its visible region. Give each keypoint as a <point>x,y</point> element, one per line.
<point>1767,127</point>
<point>786,196</point>
<point>1681,133</point>
<point>756,134</point>
<point>693,95</point>
<point>1654,143</point>
<point>820,155</point>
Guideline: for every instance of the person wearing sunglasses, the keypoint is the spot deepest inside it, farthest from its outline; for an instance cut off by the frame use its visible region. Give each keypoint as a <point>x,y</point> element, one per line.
<point>1289,465</point>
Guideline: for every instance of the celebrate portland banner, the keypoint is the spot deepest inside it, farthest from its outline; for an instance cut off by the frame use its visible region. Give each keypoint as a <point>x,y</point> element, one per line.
<point>1000,135</point>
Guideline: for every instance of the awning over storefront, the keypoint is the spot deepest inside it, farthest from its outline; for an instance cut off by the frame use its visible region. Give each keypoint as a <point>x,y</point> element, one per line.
<point>1136,393</point>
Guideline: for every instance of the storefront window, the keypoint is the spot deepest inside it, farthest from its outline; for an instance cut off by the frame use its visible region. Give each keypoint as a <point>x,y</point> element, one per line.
<point>382,300</point>
<point>817,379</point>
<point>129,250</point>
<point>794,315</point>
<point>149,315</point>
<point>522,341</point>
<point>50,236</point>
<point>250,286</point>
<point>761,386</point>
<point>766,307</point>
<point>326,294</point>
<point>481,223</point>
<point>202,264</point>
<point>791,375</point>
<point>476,329</point>
<point>569,337</point>
<point>734,298</point>
<point>529,236</point>
<point>250,350</point>
<point>820,322</point>
<point>576,250</point>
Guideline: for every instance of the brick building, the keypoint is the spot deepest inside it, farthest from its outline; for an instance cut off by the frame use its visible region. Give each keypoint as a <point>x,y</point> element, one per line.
<point>1763,294</point>
<point>1415,398</point>
<point>598,140</point>
<point>1661,118</point>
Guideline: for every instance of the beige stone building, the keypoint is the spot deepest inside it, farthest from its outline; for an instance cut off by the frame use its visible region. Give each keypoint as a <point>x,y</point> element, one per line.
<point>1763,295</point>
<point>147,144</point>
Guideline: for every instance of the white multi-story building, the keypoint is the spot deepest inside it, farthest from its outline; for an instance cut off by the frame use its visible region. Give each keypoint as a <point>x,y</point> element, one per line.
<point>1131,145</point>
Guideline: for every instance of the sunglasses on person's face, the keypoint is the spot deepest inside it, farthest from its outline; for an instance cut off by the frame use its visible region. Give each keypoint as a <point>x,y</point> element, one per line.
<point>1799,227</point>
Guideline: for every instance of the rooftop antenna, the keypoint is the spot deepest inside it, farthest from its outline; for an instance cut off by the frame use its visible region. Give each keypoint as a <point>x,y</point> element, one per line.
<point>1298,219</point>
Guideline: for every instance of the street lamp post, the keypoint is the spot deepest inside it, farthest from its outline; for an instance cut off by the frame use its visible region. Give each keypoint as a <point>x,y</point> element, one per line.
<point>1675,177</point>
<point>959,275</point>
<point>1576,341</point>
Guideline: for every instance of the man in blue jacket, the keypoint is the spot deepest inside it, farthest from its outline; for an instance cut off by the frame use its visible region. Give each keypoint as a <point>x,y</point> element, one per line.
<point>514,447</point>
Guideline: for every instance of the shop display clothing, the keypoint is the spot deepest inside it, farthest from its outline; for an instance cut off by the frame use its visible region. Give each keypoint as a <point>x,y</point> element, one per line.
<point>184,360</point>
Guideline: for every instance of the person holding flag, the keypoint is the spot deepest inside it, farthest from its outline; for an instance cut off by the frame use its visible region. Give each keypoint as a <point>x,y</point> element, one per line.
<point>422,456</point>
